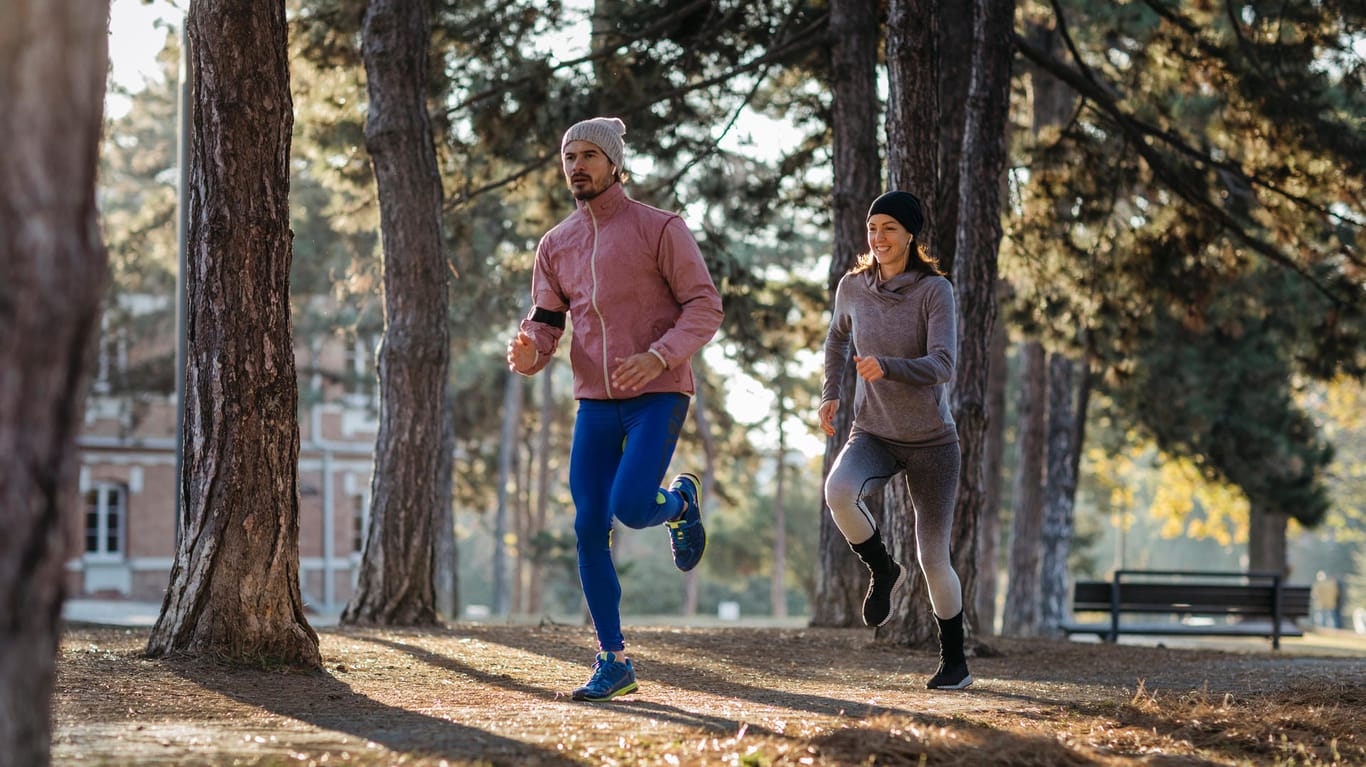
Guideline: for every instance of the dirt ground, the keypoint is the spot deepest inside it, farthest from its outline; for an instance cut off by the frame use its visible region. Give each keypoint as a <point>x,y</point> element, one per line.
<point>480,694</point>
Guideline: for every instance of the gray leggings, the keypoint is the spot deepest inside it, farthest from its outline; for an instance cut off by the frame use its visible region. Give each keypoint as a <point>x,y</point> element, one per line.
<point>864,466</point>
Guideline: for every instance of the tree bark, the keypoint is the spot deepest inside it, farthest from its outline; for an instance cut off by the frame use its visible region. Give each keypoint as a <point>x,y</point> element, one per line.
<point>1023,609</point>
<point>989,526</point>
<point>396,582</point>
<point>913,103</point>
<point>1060,489</point>
<point>974,270</point>
<point>913,165</point>
<point>841,579</point>
<point>53,59</point>
<point>954,22</point>
<point>234,586</point>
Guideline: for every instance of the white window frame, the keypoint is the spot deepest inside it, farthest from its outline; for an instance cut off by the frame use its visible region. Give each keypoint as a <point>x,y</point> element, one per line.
<point>107,495</point>
<point>362,386</point>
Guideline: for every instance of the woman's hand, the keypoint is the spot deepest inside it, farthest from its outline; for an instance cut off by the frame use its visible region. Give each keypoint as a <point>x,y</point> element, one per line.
<point>869,368</point>
<point>827,416</point>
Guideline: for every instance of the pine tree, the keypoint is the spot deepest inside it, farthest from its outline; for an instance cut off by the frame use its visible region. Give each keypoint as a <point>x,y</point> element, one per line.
<point>55,269</point>
<point>234,590</point>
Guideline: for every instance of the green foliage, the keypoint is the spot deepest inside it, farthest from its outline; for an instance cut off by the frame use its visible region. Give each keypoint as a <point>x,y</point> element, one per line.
<point>1194,227</point>
<point>137,196</point>
<point>1336,545</point>
<point>740,535</point>
<point>137,186</point>
<point>1219,390</point>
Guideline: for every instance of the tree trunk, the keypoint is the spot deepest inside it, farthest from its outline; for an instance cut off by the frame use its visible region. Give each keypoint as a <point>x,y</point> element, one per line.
<point>536,587</point>
<point>954,22</point>
<point>1060,490</point>
<point>234,586</point>
<point>521,524</point>
<point>396,583</point>
<point>913,102</point>
<point>841,579</point>
<point>1053,104</point>
<point>447,553</point>
<point>975,270</point>
<point>1266,541</point>
<point>989,526</point>
<point>708,440</point>
<point>778,585</point>
<point>1023,609</point>
<point>913,165</point>
<point>507,477</point>
<point>55,270</point>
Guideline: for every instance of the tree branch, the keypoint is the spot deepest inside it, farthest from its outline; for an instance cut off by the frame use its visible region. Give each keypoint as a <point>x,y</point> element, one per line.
<point>1138,132</point>
<point>1175,142</point>
<point>455,201</point>
<point>800,41</point>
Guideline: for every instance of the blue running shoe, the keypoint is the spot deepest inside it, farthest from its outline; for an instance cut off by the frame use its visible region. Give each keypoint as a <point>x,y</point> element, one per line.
<point>687,537</point>
<point>611,677</point>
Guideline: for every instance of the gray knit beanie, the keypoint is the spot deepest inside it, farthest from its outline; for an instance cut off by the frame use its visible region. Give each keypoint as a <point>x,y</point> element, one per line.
<point>606,132</point>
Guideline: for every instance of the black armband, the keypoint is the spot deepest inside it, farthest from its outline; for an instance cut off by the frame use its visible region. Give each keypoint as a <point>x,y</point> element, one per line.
<point>553,319</point>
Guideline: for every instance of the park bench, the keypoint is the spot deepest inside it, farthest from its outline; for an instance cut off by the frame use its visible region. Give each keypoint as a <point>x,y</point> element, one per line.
<point>1192,603</point>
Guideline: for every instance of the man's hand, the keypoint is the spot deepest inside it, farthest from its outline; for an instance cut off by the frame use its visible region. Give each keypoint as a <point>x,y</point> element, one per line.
<point>521,353</point>
<point>635,371</point>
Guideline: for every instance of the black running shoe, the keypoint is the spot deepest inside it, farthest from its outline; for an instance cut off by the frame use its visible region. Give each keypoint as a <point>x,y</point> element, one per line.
<point>877,603</point>
<point>950,676</point>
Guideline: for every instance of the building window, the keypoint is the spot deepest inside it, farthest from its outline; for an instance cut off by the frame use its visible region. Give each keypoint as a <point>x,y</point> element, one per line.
<point>359,513</point>
<point>106,520</point>
<point>360,370</point>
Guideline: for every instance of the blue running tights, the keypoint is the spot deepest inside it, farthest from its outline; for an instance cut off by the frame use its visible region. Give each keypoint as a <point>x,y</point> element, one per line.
<point>620,453</point>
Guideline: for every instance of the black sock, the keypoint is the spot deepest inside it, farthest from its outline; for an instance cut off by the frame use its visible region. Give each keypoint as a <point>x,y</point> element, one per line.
<point>874,554</point>
<point>951,638</point>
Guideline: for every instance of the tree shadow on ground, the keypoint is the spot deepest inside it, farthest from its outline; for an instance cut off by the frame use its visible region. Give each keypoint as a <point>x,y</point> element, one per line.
<point>328,703</point>
<point>886,735</point>
<point>622,704</point>
<point>692,677</point>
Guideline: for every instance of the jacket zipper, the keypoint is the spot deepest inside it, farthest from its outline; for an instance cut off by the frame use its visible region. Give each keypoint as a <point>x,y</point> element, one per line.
<point>593,267</point>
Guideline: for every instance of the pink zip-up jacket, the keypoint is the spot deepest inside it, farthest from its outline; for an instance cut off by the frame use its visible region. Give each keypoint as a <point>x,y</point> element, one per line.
<point>633,280</point>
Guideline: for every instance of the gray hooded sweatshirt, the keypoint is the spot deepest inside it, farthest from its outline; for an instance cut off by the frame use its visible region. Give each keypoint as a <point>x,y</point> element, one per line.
<point>909,324</point>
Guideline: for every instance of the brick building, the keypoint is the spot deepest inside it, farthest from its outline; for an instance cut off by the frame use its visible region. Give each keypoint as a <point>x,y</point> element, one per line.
<point>125,539</point>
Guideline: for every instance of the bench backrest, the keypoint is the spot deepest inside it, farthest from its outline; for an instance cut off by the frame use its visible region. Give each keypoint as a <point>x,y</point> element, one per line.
<point>1195,597</point>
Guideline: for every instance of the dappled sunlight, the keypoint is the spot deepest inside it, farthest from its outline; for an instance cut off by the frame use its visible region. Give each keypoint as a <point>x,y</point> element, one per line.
<point>497,694</point>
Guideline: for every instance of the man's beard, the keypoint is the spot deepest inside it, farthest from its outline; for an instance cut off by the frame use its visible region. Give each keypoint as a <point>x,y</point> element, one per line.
<point>591,191</point>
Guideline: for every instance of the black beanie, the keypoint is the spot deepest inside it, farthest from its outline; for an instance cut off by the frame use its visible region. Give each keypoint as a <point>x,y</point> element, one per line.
<point>902,206</point>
